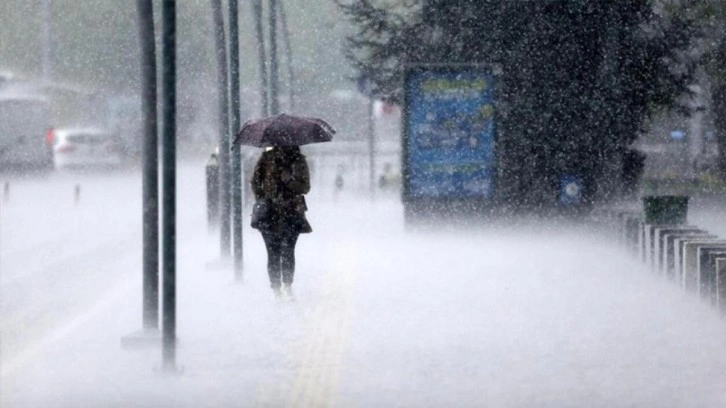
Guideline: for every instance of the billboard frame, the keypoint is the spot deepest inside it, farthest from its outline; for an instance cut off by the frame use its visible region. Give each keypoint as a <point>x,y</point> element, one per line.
<point>415,205</point>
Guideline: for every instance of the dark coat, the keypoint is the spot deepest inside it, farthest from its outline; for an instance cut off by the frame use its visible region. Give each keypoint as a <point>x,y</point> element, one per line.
<point>283,178</point>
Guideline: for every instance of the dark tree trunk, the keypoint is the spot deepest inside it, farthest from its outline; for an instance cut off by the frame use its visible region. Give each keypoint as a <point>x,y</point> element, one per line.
<point>719,110</point>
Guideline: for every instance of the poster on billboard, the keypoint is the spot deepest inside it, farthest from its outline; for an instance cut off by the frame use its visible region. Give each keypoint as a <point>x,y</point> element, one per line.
<point>449,132</point>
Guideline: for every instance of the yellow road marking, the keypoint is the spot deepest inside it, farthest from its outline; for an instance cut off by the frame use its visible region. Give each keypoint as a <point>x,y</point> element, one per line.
<point>326,340</point>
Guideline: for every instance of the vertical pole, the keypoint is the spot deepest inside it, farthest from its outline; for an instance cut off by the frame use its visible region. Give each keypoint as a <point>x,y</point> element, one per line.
<point>288,54</point>
<point>224,167</point>
<point>371,148</point>
<point>259,33</point>
<point>47,42</point>
<point>212,177</point>
<point>150,164</point>
<point>274,99</point>
<point>168,11</point>
<point>234,128</point>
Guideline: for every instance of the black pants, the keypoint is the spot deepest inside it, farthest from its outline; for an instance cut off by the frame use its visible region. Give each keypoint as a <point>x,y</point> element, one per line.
<point>280,257</point>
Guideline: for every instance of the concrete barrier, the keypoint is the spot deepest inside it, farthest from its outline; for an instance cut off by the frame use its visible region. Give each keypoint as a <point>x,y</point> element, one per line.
<point>678,245</point>
<point>653,235</point>
<point>648,238</point>
<point>706,266</point>
<point>686,254</point>
<point>632,233</point>
<point>641,230</point>
<point>721,285</point>
<point>664,246</point>
<point>690,279</point>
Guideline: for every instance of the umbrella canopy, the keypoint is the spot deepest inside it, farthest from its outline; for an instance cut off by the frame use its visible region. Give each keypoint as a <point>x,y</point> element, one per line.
<point>284,130</point>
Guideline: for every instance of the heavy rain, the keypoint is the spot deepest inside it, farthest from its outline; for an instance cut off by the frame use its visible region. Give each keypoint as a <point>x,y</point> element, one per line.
<point>495,203</point>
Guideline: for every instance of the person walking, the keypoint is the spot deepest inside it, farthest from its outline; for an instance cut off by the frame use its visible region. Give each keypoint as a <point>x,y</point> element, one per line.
<point>281,178</point>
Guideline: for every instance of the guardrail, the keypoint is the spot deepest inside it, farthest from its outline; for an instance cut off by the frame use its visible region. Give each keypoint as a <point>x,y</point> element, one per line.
<point>689,256</point>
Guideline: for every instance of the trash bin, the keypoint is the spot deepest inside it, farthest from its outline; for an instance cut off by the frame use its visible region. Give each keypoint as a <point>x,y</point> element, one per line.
<point>666,209</point>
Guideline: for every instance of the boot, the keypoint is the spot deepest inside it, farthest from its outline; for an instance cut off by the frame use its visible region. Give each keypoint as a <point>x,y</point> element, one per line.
<point>287,292</point>
<point>277,292</point>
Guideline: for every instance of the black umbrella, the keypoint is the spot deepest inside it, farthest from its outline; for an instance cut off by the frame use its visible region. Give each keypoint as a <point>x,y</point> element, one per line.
<point>284,130</point>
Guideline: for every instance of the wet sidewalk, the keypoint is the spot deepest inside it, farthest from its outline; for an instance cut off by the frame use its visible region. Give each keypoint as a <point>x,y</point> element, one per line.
<point>531,317</point>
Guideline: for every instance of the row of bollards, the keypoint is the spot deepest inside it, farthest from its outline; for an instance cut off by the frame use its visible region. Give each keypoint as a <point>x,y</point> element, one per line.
<point>660,238</point>
<point>76,193</point>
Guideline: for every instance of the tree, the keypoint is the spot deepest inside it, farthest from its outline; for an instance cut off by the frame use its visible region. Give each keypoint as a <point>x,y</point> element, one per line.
<point>578,77</point>
<point>711,16</point>
<point>717,65</point>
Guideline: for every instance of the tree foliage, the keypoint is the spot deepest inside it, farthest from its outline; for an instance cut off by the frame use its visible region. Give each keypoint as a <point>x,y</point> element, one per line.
<point>95,42</point>
<point>711,17</point>
<point>578,77</point>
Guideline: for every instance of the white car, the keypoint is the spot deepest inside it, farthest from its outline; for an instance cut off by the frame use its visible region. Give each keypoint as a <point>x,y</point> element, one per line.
<point>82,148</point>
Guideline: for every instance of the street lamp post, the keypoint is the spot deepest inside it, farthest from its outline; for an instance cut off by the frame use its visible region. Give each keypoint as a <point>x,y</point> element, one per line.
<point>168,58</point>
<point>234,100</point>
<point>149,334</point>
<point>288,53</point>
<point>259,34</point>
<point>274,99</point>
<point>150,164</point>
<point>46,58</point>
<point>223,157</point>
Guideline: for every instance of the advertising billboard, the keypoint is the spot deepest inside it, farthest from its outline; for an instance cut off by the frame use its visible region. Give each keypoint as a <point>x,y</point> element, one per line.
<point>449,132</point>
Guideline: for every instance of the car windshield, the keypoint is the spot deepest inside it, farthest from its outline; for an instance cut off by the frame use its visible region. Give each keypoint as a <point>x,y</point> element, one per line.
<point>88,138</point>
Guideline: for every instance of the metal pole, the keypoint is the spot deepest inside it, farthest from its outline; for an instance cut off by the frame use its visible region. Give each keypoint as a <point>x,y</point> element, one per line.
<point>150,164</point>
<point>211,171</point>
<point>288,54</point>
<point>274,100</point>
<point>234,128</point>
<point>47,41</point>
<point>371,148</point>
<point>224,167</point>
<point>259,33</point>
<point>168,10</point>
